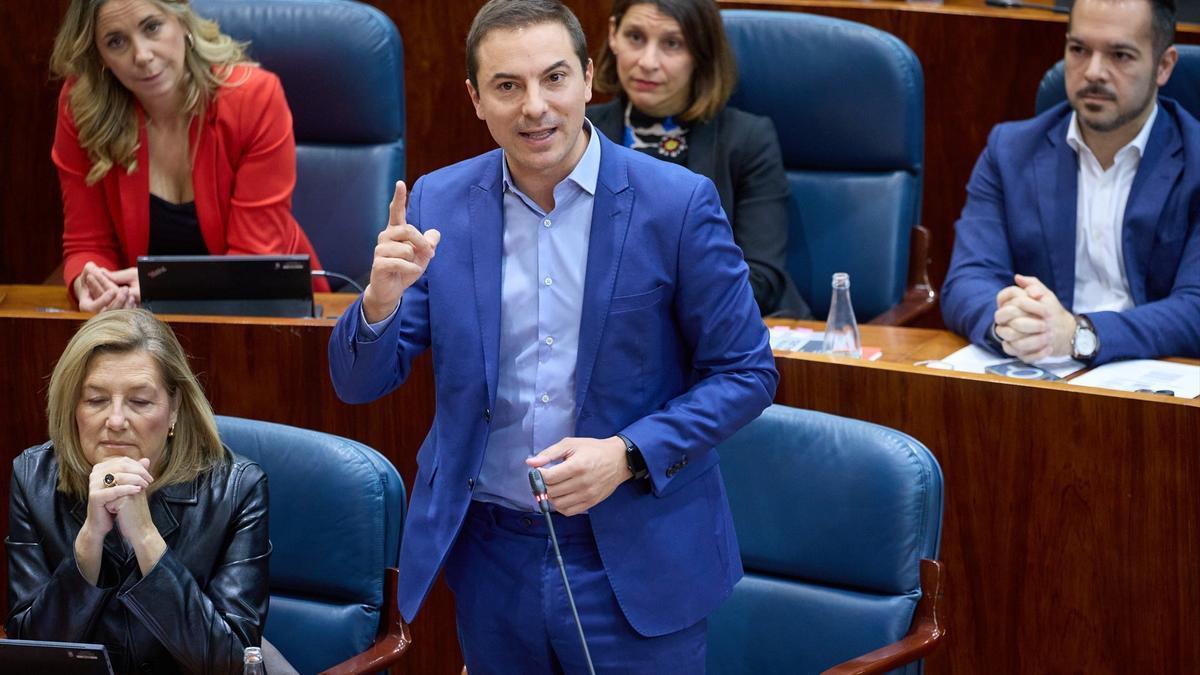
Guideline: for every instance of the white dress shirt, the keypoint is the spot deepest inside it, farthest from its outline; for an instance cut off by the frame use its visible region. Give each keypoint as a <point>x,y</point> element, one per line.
<point>1100,282</point>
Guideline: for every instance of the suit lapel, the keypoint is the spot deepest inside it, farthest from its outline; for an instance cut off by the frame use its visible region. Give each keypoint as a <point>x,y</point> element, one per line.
<point>1157,172</point>
<point>135,197</point>
<point>702,148</point>
<point>610,223</point>
<point>487,230</point>
<point>1056,182</point>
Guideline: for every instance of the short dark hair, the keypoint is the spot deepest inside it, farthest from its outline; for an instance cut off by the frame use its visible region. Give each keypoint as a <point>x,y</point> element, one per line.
<point>715,71</point>
<point>513,14</point>
<point>1162,24</point>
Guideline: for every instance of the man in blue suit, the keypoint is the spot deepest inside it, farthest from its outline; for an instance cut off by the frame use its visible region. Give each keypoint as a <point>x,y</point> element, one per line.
<point>589,314</point>
<point>1081,232</point>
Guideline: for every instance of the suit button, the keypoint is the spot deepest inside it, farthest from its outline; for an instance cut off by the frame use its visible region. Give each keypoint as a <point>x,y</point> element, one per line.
<point>683,462</point>
<point>470,483</point>
<point>487,414</point>
<point>527,521</point>
<point>671,471</point>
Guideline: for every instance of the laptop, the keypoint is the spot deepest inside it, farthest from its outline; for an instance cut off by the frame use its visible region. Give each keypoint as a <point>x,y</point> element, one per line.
<point>227,285</point>
<point>61,658</point>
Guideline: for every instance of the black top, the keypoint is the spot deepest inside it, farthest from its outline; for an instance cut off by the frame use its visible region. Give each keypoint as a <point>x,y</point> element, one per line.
<point>174,228</point>
<point>740,153</point>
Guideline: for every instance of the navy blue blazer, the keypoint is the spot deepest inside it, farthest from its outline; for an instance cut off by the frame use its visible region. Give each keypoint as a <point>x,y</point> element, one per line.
<point>672,352</point>
<point>1020,218</point>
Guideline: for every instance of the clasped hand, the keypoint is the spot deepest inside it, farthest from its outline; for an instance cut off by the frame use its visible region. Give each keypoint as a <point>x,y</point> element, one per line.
<point>1031,323</point>
<point>591,468</point>
<point>99,289</point>
<point>123,503</point>
<point>401,255</point>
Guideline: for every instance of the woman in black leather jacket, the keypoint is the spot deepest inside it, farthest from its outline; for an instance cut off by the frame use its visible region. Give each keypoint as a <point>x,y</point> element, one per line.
<point>133,526</point>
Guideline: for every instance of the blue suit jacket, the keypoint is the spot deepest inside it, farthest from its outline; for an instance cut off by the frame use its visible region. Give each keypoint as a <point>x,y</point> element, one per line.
<point>672,352</point>
<point>1020,218</point>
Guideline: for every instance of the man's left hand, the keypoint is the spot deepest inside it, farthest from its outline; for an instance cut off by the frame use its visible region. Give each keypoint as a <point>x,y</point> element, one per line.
<point>590,470</point>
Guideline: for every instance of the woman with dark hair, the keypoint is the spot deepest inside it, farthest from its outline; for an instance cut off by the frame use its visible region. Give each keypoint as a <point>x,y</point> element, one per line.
<point>670,66</point>
<point>134,527</point>
<point>170,142</point>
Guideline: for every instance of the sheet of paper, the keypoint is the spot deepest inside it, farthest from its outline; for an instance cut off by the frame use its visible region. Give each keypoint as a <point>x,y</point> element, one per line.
<point>799,339</point>
<point>973,359</point>
<point>1181,379</point>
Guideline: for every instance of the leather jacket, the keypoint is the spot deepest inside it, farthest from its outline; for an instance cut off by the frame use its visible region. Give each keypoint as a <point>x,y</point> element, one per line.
<point>196,611</point>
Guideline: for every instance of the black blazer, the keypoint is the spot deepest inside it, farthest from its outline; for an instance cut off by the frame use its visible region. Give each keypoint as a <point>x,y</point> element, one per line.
<point>196,611</point>
<point>740,153</point>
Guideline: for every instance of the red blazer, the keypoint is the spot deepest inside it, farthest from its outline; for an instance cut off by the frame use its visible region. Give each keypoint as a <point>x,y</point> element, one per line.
<point>243,173</point>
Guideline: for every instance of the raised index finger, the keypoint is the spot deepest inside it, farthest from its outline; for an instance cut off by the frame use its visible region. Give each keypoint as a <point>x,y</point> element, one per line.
<point>399,206</point>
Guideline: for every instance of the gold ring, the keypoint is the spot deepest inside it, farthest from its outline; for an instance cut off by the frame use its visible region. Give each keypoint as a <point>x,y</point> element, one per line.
<point>109,480</point>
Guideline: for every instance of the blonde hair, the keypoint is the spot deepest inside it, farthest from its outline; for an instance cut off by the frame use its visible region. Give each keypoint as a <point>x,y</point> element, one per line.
<point>195,446</point>
<point>103,109</point>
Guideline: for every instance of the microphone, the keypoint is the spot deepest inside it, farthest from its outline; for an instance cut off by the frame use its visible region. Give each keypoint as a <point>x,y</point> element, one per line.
<point>339,276</point>
<point>538,485</point>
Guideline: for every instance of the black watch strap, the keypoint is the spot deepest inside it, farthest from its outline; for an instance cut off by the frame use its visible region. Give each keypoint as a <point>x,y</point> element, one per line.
<point>634,459</point>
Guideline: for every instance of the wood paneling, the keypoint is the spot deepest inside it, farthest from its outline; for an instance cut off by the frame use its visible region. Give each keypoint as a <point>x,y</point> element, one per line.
<point>1071,532</point>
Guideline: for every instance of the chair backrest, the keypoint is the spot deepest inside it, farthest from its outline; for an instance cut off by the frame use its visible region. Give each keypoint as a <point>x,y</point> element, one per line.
<point>833,517</point>
<point>848,103</point>
<point>1184,85</point>
<point>336,512</point>
<point>342,68</point>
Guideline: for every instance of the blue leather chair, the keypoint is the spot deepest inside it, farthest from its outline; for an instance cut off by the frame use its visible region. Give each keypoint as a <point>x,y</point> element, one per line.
<point>336,512</point>
<point>848,102</point>
<point>839,523</point>
<point>1184,85</point>
<point>342,68</point>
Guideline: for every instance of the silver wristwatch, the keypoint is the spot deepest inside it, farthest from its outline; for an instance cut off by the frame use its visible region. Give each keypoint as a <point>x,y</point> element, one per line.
<point>1084,344</point>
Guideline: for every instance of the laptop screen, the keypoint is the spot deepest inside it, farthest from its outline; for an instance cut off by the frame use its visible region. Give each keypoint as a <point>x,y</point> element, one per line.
<point>237,285</point>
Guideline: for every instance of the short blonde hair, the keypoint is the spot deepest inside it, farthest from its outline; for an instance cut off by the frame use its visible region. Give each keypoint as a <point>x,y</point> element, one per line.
<point>715,73</point>
<point>195,447</point>
<point>103,109</point>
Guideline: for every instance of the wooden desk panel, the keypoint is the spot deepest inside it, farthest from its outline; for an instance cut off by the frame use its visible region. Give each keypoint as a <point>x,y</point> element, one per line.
<point>1071,532</point>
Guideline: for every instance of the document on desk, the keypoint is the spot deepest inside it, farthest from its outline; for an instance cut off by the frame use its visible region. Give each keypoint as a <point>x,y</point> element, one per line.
<point>973,359</point>
<point>1181,379</point>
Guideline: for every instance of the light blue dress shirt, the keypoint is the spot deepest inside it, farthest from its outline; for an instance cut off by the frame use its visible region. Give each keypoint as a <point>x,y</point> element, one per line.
<point>543,267</point>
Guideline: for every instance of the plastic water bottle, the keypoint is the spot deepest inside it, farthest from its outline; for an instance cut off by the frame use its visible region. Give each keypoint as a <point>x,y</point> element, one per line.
<point>252,662</point>
<point>841,329</point>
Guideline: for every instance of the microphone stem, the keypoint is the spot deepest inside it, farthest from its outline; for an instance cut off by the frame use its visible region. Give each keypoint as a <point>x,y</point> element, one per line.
<point>570,598</point>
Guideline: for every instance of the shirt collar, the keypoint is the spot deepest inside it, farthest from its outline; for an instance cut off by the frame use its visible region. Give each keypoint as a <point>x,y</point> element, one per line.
<point>1075,137</point>
<point>586,171</point>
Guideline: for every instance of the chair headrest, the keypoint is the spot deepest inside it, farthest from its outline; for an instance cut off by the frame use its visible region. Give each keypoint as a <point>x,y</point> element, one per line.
<point>336,508</point>
<point>341,63</point>
<point>1184,85</point>
<point>833,500</point>
<point>854,94</point>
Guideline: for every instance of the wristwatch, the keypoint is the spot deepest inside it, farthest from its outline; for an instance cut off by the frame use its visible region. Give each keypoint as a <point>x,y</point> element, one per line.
<point>1084,344</point>
<point>634,459</point>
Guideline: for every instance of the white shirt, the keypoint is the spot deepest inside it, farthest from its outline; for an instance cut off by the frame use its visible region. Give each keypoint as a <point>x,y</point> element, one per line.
<point>1100,282</point>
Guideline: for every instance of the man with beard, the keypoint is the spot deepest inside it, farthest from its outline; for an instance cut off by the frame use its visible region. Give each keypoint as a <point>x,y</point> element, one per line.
<point>1081,232</point>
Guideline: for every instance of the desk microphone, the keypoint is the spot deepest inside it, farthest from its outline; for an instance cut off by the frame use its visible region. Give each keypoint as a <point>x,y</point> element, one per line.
<point>538,484</point>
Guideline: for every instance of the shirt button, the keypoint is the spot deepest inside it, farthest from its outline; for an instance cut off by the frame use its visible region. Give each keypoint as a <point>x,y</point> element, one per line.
<point>548,281</point>
<point>546,223</point>
<point>545,398</point>
<point>549,340</point>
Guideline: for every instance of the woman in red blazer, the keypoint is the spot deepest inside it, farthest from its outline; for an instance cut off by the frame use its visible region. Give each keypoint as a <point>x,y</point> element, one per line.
<point>168,142</point>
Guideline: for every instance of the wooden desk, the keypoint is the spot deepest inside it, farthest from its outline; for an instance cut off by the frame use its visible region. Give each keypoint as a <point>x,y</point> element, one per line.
<point>1071,535</point>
